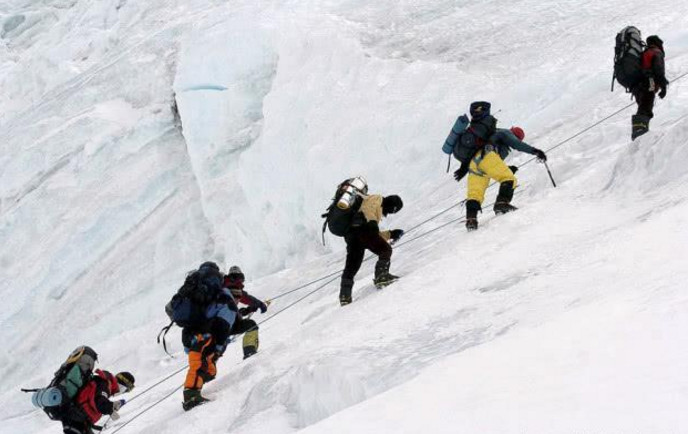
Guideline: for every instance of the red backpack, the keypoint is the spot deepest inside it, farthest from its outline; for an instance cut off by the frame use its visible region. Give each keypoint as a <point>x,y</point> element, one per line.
<point>85,399</point>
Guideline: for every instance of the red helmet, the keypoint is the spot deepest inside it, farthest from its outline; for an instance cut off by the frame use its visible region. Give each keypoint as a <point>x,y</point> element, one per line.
<point>518,132</point>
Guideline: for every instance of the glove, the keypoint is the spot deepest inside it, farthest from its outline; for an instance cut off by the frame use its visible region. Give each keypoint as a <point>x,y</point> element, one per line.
<point>460,173</point>
<point>261,306</point>
<point>395,234</point>
<point>540,154</point>
<point>117,406</point>
<point>513,169</point>
<point>663,92</point>
<point>244,311</point>
<point>219,351</point>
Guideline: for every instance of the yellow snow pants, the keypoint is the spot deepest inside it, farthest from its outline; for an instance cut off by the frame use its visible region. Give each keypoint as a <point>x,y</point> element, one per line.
<point>481,170</point>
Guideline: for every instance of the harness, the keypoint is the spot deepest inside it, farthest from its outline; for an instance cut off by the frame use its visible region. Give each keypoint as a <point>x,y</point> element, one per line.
<point>479,156</point>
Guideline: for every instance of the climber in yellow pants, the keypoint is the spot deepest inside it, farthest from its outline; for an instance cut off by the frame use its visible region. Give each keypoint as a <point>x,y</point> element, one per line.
<point>484,167</point>
<point>488,164</point>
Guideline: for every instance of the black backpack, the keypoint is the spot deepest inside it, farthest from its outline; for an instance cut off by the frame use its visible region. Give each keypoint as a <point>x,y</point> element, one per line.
<point>57,400</point>
<point>188,306</point>
<point>475,137</point>
<point>628,53</point>
<point>340,220</point>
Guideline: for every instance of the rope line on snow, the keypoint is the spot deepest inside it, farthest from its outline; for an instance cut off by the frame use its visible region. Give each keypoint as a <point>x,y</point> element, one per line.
<point>406,242</point>
<point>157,384</point>
<point>563,142</point>
<point>156,403</point>
<point>283,294</point>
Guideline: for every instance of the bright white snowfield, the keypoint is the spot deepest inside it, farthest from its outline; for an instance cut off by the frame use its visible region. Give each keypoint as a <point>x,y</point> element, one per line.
<point>568,316</point>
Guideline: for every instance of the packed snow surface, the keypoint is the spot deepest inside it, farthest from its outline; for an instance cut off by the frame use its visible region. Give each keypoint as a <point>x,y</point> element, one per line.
<point>140,138</point>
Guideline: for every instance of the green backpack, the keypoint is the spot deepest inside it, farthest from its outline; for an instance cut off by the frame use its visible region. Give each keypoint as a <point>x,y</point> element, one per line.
<point>57,399</point>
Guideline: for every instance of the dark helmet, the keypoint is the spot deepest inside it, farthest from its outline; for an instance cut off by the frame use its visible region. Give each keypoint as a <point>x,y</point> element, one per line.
<point>126,379</point>
<point>480,109</point>
<point>209,265</point>
<point>210,272</point>
<point>654,40</point>
<point>391,204</point>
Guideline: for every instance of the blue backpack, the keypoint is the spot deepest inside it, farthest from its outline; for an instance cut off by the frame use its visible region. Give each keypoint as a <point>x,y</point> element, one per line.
<point>189,305</point>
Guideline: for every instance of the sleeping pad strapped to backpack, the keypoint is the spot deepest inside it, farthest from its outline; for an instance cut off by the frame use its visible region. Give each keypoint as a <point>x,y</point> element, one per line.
<point>468,137</point>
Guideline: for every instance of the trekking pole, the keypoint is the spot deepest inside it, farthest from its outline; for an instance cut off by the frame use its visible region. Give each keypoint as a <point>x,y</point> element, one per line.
<point>449,161</point>
<point>549,172</point>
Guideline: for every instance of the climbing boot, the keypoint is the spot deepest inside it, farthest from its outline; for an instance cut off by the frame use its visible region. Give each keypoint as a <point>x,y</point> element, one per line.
<point>473,207</point>
<point>640,125</point>
<point>382,276</point>
<point>193,398</point>
<point>345,296</point>
<point>502,202</point>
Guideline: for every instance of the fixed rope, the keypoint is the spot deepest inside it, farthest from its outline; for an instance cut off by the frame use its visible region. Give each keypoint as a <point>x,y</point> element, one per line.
<point>401,244</point>
<point>156,403</point>
<point>459,203</point>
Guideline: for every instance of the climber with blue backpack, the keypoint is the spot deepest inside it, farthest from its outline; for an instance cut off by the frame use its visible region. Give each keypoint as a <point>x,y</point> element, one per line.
<point>481,147</point>
<point>206,310</point>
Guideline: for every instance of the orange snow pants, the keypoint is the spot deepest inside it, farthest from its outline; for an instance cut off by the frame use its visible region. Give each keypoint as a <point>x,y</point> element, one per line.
<point>201,359</point>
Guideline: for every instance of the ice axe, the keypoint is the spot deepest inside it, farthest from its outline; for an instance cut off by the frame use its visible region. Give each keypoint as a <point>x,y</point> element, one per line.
<point>550,175</point>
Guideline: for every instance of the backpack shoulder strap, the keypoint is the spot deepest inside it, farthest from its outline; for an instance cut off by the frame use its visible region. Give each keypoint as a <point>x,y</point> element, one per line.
<point>163,334</point>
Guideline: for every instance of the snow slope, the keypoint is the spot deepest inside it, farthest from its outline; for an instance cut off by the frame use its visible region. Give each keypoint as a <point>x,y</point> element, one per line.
<point>139,138</point>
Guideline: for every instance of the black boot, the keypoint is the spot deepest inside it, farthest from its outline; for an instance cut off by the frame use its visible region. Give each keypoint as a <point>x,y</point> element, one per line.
<point>640,125</point>
<point>382,276</point>
<point>192,398</point>
<point>345,296</point>
<point>502,202</point>
<point>472,209</point>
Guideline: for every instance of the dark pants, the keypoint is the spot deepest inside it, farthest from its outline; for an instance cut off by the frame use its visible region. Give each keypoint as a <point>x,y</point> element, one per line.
<point>242,326</point>
<point>356,243</point>
<point>645,99</point>
<point>75,427</point>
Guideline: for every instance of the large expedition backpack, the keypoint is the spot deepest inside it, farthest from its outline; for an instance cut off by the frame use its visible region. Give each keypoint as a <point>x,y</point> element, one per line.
<point>57,400</point>
<point>628,53</point>
<point>468,137</point>
<point>188,306</point>
<point>341,214</point>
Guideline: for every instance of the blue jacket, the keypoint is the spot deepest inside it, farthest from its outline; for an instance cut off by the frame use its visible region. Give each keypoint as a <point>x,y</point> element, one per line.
<point>503,139</point>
